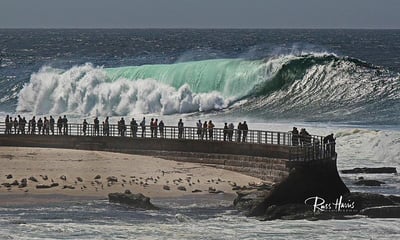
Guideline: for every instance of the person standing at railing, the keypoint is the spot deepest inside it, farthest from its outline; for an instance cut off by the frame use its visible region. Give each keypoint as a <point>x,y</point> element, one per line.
<point>133,126</point>
<point>33,125</point>
<point>211,129</point>
<point>161,128</point>
<point>295,136</point>
<point>123,126</point>
<point>96,126</point>
<point>245,129</point>
<point>40,125</point>
<point>152,127</point>
<point>155,127</point>
<point>15,124</point>
<point>65,125</point>
<point>231,128</point>
<point>199,129</point>
<point>22,124</point>
<point>305,137</point>
<point>84,127</point>
<point>51,122</point>
<point>59,125</point>
<point>239,131</point>
<point>7,122</point>
<point>143,126</point>
<point>226,131</point>
<point>46,126</point>
<point>330,142</point>
<point>106,127</point>
<point>204,133</point>
<point>180,128</point>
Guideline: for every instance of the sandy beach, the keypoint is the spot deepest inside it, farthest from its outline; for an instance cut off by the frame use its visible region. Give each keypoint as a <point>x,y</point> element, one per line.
<point>61,174</point>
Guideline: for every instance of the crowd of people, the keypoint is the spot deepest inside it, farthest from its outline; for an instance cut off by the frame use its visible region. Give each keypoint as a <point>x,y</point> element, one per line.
<point>43,126</point>
<point>48,126</point>
<point>205,130</point>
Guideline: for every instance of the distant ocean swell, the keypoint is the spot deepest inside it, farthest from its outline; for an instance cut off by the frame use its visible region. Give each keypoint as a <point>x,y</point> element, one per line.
<point>283,86</point>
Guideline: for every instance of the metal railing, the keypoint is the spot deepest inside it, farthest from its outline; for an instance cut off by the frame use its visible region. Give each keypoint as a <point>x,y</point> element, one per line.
<point>300,149</point>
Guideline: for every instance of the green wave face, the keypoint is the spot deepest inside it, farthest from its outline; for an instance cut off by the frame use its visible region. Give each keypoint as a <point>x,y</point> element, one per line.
<point>231,77</point>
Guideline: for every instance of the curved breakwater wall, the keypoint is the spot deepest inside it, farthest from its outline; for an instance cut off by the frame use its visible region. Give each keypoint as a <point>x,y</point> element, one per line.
<point>265,161</point>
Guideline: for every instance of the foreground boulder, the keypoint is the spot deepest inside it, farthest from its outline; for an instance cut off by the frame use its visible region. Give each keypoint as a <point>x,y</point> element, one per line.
<point>252,203</point>
<point>133,200</point>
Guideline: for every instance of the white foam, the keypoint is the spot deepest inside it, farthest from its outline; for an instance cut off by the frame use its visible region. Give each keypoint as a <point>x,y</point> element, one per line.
<point>86,90</point>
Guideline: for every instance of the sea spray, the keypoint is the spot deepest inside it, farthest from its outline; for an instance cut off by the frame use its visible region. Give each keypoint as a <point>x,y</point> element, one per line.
<point>309,87</point>
<point>87,90</point>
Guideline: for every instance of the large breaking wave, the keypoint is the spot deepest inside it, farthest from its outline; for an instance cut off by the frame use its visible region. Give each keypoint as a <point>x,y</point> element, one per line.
<point>313,86</point>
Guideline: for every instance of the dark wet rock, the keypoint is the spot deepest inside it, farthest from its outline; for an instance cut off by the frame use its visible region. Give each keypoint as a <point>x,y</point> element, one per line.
<point>251,202</point>
<point>288,212</point>
<point>68,187</point>
<point>366,200</point>
<point>97,177</point>
<point>33,179</point>
<point>181,188</point>
<point>370,170</point>
<point>23,183</point>
<point>382,212</point>
<point>9,176</point>
<point>165,187</point>
<point>196,191</point>
<point>132,200</point>
<point>369,182</point>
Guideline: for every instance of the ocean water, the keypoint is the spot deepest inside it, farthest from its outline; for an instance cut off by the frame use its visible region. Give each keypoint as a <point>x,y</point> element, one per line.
<point>345,82</point>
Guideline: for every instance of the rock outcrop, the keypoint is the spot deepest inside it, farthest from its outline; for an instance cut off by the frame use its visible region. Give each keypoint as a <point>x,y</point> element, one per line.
<point>370,170</point>
<point>133,200</point>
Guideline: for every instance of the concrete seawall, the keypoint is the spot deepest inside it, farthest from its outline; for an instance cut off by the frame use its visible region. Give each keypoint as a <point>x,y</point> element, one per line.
<point>293,180</point>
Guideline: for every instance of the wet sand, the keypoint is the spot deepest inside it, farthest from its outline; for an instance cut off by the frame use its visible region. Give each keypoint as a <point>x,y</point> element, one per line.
<point>77,174</point>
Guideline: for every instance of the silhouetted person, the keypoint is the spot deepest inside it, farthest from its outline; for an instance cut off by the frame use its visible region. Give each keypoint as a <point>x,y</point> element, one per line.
<point>59,125</point>
<point>295,136</point>
<point>210,127</point>
<point>161,128</point>
<point>245,129</point>
<point>134,128</point>
<point>84,126</point>
<point>96,126</point>
<point>15,124</point>
<point>226,131</point>
<point>123,126</point>
<point>204,133</point>
<point>46,126</point>
<point>330,142</point>
<point>143,126</point>
<point>155,124</point>
<point>51,122</point>
<point>65,125</point>
<point>231,129</point>
<point>33,125</point>
<point>239,132</point>
<point>199,129</point>
<point>106,127</point>
<point>8,128</point>
<point>305,137</point>
<point>40,125</point>
<point>180,128</point>
<point>152,127</point>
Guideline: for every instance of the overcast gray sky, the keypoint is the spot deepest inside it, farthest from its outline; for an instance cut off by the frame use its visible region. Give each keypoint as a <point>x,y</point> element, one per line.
<point>199,13</point>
